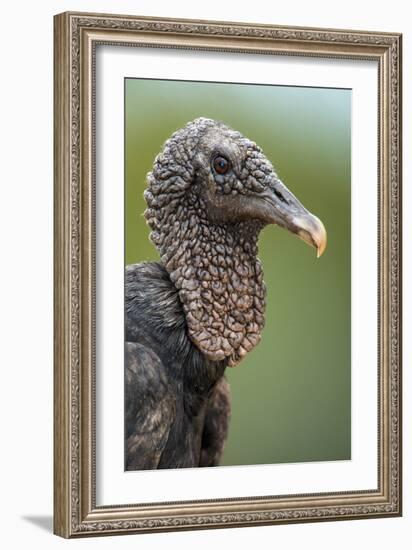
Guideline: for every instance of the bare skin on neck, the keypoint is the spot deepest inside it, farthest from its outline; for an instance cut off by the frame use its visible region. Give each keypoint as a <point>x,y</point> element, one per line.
<point>209,195</point>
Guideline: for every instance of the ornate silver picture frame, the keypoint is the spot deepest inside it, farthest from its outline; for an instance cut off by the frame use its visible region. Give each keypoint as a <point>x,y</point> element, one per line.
<point>77,511</point>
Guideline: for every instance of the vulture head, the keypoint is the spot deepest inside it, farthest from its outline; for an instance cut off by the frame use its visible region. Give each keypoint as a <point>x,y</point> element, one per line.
<point>210,193</point>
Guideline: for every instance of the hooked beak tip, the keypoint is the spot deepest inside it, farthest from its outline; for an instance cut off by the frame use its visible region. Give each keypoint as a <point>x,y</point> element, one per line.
<point>312,231</point>
<point>321,240</point>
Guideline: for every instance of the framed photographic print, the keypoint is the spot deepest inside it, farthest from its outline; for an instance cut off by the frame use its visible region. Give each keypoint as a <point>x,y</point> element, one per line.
<point>227,274</point>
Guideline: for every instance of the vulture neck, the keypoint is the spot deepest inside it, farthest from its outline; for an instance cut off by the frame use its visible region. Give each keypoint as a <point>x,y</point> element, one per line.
<point>220,281</point>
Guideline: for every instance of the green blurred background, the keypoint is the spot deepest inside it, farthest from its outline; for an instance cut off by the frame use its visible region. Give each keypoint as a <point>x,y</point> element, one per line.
<point>291,397</point>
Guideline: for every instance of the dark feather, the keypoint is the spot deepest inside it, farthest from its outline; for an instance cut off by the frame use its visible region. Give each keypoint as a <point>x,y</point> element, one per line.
<point>169,384</point>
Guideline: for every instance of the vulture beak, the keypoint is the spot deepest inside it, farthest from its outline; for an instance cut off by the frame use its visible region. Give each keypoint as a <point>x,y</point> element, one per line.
<point>283,208</point>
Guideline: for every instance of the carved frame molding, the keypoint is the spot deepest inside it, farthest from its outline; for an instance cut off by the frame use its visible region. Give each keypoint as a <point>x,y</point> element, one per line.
<point>75,38</point>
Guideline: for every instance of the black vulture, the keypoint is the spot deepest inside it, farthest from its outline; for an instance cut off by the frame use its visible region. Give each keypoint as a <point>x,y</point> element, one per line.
<point>200,308</point>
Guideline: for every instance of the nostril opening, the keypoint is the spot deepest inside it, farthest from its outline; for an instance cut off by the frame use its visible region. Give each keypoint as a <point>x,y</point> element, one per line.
<point>280,196</point>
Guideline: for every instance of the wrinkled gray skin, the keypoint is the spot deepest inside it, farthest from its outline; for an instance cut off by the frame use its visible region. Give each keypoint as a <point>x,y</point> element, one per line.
<point>201,308</point>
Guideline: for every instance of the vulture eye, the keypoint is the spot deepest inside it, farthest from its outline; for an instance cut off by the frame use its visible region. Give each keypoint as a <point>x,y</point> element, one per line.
<point>221,165</point>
